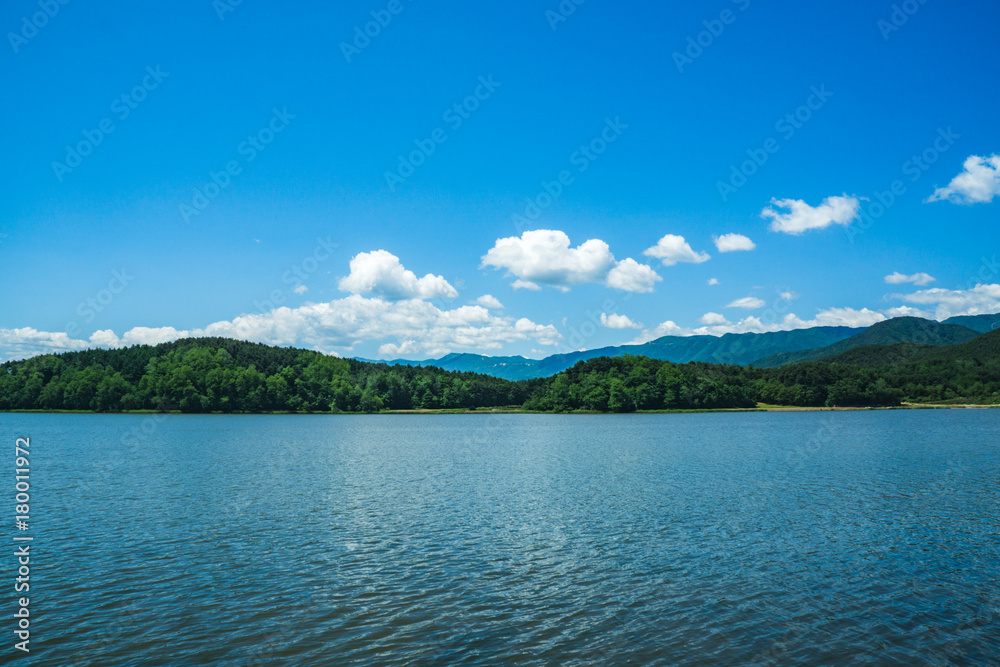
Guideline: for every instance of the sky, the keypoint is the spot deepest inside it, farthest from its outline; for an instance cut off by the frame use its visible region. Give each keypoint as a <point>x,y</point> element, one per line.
<point>404,179</point>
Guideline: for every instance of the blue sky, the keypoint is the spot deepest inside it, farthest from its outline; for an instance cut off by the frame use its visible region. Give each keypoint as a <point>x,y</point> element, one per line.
<point>314,234</point>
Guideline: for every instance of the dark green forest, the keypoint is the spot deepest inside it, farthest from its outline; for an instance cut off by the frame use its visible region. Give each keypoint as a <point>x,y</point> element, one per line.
<point>221,375</point>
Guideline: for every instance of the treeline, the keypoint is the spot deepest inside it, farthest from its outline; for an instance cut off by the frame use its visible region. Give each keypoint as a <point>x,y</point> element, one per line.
<point>627,384</point>
<point>224,375</point>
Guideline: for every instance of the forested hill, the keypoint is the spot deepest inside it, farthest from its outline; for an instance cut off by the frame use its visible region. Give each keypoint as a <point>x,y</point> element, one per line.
<point>897,330</point>
<point>222,375</point>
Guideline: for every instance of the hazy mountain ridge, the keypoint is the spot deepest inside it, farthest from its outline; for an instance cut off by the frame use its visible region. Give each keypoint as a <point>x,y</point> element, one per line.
<point>731,348</point>
<point>980,323</point>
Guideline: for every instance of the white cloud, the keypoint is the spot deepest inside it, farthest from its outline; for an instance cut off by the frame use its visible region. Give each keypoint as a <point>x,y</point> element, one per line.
<point>831,317</point>
<point>733,242</point>
<point>379,273</point>
<point>544,257</point>
<point>897,278</point>
<point>631,276</point>
<point>907,311</point>
<point>672,249</point>
<point>616,321</point>
<point>979,183</point>
<point>489,301</point>
<point>151,336</point>
<point>410,326</point>
<point>801,217</point>
<point>712,318</point>
<point>668,328</point>
<point>28,342</point>
<point>788,296</point>
<point>979,300</point>
<point>301,289</point>
<point>747,302</point>
<point>104,338</point>
<point>406,347</point>
<point>713,281</point>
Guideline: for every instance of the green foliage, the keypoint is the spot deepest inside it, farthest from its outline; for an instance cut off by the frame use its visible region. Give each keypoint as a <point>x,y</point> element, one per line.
<point>222,375</point>
<point>630,383</point>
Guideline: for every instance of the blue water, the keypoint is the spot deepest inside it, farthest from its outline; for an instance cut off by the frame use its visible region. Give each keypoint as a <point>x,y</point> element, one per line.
<point>850,538</point>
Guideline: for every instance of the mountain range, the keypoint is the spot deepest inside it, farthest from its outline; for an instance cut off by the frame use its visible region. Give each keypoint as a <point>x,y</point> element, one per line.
<point>759,349</point>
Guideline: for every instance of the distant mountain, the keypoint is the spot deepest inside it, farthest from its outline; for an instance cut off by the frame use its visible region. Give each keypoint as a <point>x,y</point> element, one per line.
<point>731,348</point>
<point>890,332</point>
<point>980,323</point>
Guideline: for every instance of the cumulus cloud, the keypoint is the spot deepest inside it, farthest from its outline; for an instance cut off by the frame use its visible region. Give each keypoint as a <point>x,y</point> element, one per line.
<point>544,257</point>
<point>921,279</point>
<point>672,249</point>
<point>733,243</point>
<point>800,216</point>
<point>379,273</point>
<point>631,276</point>
<point>301,289</point>
<point>410,326</point>
<point>712,318</point>
<point>979,300</point>
<point>28,342</point>
<point>713,281</point>
<point>978,183</point>
<point>616,321</point>
<point>747,302</point>
<point>788,296</point>
<point>406,347</point>
<point>489,301</point>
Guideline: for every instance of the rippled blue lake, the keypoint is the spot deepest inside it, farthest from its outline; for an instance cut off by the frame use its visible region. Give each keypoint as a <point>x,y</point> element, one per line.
<point>688,539</point>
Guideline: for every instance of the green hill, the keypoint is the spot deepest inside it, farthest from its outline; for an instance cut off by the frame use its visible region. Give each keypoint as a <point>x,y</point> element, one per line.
<point>224,375</point>
<point>984,349</point>
<point>890,332</point>
<point>980,323</point>
<point>875,356</point>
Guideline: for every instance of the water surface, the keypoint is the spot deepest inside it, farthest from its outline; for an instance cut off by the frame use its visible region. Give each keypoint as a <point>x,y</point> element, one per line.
<point>689,539</point>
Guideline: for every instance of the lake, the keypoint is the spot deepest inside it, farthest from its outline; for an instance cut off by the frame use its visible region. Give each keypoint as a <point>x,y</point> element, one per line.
<point>810,538</point>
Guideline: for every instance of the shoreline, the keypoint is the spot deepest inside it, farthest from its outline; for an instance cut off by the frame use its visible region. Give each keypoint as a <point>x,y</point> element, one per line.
<point>519,411</point>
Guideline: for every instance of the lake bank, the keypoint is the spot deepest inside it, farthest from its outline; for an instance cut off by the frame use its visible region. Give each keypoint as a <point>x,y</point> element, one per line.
<point>520,411</point>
